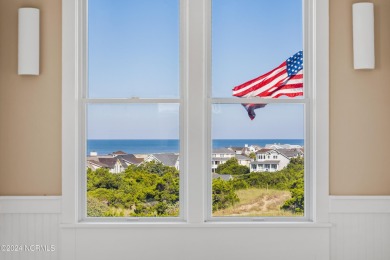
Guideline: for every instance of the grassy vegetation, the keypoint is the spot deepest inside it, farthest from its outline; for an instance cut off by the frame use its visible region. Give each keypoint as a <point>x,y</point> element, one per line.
<point>152,190</point>
<point>290,180</point>
<point>258,202</point>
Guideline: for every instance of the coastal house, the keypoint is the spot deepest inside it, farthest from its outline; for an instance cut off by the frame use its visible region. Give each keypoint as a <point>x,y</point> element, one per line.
<point>116,164</point>
<point>220,156</point>
<point>238,150</point>
<point>223,153</point>
<point>130,159</point>
<point>243,160</point>
<point>269,160</point>
<point>95,164</point>
<point>291,153</point>
<point>215,161</point>
<point>251,148</point>
<point>168,159</point>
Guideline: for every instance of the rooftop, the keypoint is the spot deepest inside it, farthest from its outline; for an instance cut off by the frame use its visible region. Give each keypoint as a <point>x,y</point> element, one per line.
<point>168,159</point>
<point>223,150</point>
<point>225,177</point>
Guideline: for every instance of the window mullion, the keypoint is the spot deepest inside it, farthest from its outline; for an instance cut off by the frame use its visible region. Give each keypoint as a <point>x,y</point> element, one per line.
<point>196,108</point>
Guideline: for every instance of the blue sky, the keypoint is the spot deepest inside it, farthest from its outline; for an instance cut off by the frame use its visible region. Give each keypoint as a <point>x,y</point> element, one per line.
<point>134,51</point>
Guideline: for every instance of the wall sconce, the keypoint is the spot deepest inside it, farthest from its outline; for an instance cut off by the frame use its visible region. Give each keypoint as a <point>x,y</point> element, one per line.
<point>363,36</point>
<point>28,41</point>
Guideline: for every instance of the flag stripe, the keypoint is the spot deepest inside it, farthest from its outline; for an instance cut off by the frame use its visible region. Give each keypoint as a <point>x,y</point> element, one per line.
<point>284,80</point>
<point>258,82</point>
<point>291,92</point>
<point>255,81</point>
<point>269,83</point>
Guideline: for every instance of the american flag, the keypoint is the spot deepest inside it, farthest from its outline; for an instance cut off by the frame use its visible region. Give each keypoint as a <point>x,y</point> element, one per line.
<point>250,108</point>
<point>284,80</point>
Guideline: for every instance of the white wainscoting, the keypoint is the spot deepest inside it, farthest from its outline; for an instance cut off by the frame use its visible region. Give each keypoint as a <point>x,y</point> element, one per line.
<point>27,222</point>
<point>361,227</point>
<point>360,231</point>
<point>198,243</point>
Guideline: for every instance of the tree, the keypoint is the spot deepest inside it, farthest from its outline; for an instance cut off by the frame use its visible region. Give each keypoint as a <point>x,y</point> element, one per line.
<point>223,194</point>
<point>96,208</point>
<point>252,155</point>
<point>232,167</point>
<point>239,184</point>
<point>227,164</point>
<point>151,189</point>
<point>296,203</point>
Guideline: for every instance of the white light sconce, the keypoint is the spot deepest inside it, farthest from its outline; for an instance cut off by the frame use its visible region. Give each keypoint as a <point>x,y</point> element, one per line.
<point>363,36</point>
<point>28,41</point>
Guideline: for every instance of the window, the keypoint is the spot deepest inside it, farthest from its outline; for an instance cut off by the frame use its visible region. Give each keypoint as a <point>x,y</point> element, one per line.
<point>132,109</point>
<point>189,103</point>
<point>138,142</point>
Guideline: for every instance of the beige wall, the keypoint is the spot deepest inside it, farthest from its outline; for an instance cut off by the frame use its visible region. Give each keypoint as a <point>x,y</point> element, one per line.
<point>30,106</point>
<point>30,109</point>
<point>359,107</point>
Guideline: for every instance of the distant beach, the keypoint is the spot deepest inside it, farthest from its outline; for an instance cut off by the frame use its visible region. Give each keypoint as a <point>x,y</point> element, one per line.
<point>148,146</point>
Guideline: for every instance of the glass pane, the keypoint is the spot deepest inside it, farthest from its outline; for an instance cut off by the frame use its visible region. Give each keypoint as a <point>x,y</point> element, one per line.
<point>251,38</point>
<point>257,165</point>
<point>133,48</point>
<point>133,160</point>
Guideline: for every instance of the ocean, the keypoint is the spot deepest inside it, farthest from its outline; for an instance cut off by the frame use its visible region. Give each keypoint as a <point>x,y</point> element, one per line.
<point>171,145</point>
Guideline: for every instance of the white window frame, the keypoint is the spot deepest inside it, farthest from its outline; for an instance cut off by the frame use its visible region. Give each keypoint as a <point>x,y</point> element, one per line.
<point>195,117</point>
<point>84,101</point>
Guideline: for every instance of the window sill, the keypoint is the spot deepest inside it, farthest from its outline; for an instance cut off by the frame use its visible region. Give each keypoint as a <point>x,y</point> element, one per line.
<point>104,225</point>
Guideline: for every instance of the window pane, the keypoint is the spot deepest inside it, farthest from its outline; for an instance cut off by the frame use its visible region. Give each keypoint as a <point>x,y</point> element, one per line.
<point>251,38</point>
<point>257,165</point>
<point>133,48</point>
<point>133,160</point>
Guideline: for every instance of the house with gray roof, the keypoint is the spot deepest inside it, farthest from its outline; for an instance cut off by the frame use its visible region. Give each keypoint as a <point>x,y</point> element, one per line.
<point>237,149</point>
<point>130,159</point>
<point>291,153</point>
<point>223,153</point>
<point>168,159</point>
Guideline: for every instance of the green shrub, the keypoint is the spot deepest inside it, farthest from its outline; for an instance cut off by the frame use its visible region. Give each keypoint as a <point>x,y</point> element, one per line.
<point>223,194</point>
<point>232,167</point>
<point>96,208</point>
<point>151,189</point>
<point>239,184</point>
